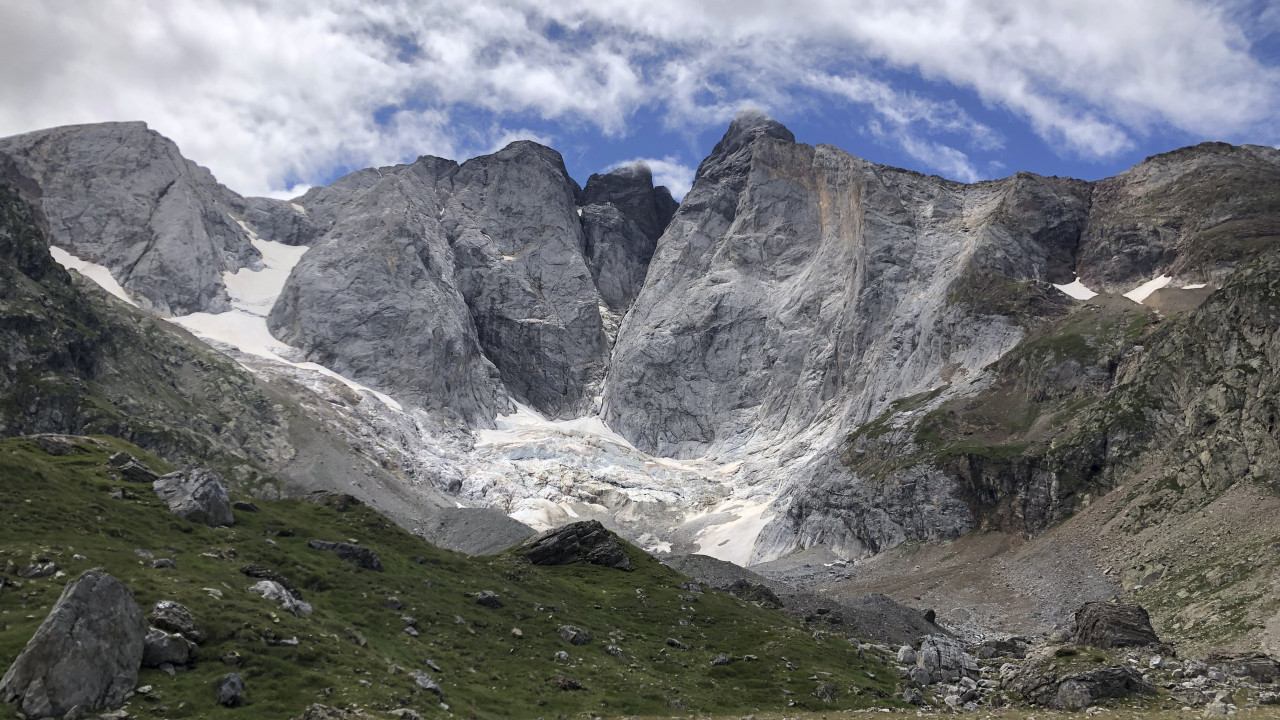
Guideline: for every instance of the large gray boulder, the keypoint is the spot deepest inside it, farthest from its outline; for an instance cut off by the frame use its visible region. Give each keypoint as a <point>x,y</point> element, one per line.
<point>196,495</point>
<point>945,659</point>
<point>123,196</point>
<point>84,658</point>
<point>1075,690</point>
<point>160,648</point>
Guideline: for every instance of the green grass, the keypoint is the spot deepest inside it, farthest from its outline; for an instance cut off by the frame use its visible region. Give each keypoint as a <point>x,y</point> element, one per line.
<point>52,508</point>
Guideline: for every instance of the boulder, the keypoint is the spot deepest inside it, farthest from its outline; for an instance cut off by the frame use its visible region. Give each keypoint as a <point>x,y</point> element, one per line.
<point>1014,647</point>
<point>359,556</point>
<point>259,572</point>
<point>162,648</point>
<point>229,690</point>
<point>175,618</point>
<point>1076,691</point>
<point>574,635</point>
<point>426,682</point>
<point>907,655</point>
<point>587,540</point>
<point>489,599</point>
<point>85,655</point>
<point>196,495</point>
<point>1260,667</point>
<point>945,659</point>
<point>754,592</point>
<point>130,469</point>
<point>1112,625</point>
<point>272,590</point>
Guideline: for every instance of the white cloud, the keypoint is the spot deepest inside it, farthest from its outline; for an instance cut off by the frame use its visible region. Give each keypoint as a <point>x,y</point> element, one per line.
<point>273,94</point>
<point>668,171</point>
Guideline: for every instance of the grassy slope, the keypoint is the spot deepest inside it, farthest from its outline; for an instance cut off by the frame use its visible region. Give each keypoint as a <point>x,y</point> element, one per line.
<point>54,507</point>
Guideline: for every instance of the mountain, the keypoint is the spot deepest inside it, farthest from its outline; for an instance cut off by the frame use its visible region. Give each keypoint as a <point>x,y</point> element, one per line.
<point>811,355</point>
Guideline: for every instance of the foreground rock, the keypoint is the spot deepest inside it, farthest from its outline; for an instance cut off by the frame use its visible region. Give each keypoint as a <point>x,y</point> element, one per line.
<point>175,618</point>
<point>85,656</point>
<point>196,495</point>
<point>1109,625</point>
<point>587,540</point>
<point>161,648</point>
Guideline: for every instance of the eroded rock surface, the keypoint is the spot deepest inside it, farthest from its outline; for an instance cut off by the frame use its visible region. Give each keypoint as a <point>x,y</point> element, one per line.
<point>196,495</point>
<point>86,654</point>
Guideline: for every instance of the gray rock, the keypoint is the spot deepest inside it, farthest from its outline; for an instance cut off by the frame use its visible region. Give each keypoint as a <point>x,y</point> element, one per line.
<point>273,590</point>
<point>723,659</point>
<point>384,270</point>
<point>164,564</point>
<point>574,635</point>
<point>1259,667</point>
<point>1077,691</point>
<point>587,541</point>
<point>622,218</point>
<point>162,648</point>
<point>85,655</point>
<point>673,642</point>
<point>196,495</point>
<point>517,241</point>
<point>1112,625</point>
<point>920,676</point>
<point>426,682</point>
<point>907,655</point>
<point>913,696</point>
<point>361,557</point>
<point>174,618</point>
<point>945,659</point>
<point>489,599</point>
<point>229,690</point>
<point>131,469</point>
<point>38,570</point>
<point>123,196</point>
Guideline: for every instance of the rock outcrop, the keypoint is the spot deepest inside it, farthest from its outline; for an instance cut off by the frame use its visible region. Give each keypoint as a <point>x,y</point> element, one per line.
<point>86,654</point>
<point>586,541</point>
<point>1113,625</point>
<point>1076,690</point>
<point>123,196</point>
<point>361,557</point>
<point>623,215</point>
<point>196,495</point>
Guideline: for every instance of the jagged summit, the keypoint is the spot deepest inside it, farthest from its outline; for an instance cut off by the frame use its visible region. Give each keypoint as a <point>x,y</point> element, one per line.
<point>746,127</point>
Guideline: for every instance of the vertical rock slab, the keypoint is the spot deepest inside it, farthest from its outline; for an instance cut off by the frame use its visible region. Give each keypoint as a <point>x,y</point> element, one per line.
<point>518,253</point>
<point>623,215</point>
<point>375,298</point>
<point>86,654</point>
<point>123,196</point>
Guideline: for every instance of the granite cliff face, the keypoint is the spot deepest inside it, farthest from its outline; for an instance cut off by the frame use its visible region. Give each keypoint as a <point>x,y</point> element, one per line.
<point>810,350</point>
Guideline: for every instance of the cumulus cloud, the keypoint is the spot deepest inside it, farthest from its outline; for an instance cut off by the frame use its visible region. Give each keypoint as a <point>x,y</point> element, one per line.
<point>271,95</point>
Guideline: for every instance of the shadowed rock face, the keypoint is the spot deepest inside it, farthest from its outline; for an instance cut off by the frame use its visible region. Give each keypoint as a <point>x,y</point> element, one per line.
<point>799,285</point>
<point>85,655</point>
<point>623,216</point>
<point>375,298</point>
<point>587,541</point>
<point>517,250</point>
<point>123,196</point>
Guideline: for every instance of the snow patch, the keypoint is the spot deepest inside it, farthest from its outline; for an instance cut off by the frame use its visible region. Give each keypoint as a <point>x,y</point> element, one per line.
<point>252,293</point>
<point>1195,286</point>
<point>255,291</point>
<point>1143,291</point>
<point>95,272</point>
<point>529,425</point>
<point>1077,290</point>
<point>734,540</point>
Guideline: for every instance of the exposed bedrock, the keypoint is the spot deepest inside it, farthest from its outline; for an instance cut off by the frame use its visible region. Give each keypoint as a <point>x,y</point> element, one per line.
<point>123,196</point>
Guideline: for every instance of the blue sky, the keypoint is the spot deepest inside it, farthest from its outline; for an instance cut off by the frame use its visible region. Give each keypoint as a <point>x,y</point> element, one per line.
<point>277,96</point>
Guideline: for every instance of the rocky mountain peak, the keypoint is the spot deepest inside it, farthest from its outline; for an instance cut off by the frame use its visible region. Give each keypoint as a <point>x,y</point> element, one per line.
<point>749,125</point>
